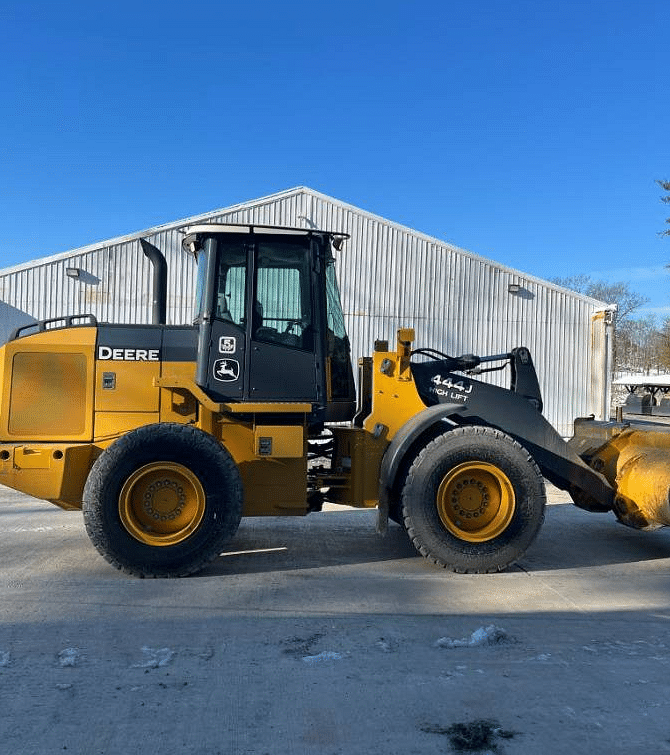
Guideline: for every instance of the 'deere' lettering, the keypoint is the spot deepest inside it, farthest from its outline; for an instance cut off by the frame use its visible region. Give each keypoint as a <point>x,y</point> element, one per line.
<point>128,355</point>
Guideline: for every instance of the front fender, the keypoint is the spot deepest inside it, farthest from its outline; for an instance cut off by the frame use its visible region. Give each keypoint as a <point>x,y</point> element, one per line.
<point>398,448</point>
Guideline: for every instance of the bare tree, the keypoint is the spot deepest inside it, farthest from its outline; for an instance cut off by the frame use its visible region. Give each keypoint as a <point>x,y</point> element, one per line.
<point>664,344</point>
<point>636,341</point>
<point>639,344</point>
<point>665,185</point>
<point>619,293</point>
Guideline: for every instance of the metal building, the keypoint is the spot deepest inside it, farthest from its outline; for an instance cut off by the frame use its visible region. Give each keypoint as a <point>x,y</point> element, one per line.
<point>390,276</point>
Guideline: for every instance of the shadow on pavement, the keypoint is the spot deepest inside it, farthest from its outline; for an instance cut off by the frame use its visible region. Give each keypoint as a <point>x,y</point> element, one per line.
<point>316,541</point>
<point>570,538</point>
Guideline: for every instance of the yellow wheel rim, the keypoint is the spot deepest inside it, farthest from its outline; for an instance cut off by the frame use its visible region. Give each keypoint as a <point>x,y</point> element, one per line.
<point>476,501</point>
<point>162,504</point>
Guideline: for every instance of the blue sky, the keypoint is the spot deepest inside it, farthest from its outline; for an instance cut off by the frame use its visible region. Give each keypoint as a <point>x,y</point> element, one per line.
<point>528,132</point>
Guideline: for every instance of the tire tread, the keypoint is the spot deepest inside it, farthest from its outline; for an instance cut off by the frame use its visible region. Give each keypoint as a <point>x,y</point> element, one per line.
<point>469,558</point>
<point>222,473</point>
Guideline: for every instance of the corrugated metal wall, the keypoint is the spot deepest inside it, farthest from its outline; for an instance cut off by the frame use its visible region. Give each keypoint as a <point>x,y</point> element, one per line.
<point>390,277</point>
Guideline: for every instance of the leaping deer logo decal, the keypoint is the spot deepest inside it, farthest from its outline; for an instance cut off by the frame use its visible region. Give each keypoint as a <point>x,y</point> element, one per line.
<point>226,370</point>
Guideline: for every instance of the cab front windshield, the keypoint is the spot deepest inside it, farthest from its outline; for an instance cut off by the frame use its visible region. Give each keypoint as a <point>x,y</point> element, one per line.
<point>337,346</point>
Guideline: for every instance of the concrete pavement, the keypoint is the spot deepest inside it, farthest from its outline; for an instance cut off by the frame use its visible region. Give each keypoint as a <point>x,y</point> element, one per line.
<point>316,635</point>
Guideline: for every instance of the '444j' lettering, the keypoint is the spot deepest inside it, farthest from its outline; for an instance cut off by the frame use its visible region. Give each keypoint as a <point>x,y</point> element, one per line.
<point>459,385</point>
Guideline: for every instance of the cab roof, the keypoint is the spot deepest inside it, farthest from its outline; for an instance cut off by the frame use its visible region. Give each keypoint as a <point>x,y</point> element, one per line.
<point>208,229</point>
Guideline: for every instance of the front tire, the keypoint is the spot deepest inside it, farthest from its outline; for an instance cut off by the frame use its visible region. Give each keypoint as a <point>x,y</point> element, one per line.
<point>162,501</point>
<point>473,500</point>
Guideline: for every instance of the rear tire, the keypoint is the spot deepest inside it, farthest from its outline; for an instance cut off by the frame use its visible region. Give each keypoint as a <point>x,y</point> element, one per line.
<point>162,501</point>
<point>473,500</point>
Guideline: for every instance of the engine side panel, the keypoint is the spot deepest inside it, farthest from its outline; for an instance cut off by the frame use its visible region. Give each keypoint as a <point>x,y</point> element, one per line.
<point>47,390</point>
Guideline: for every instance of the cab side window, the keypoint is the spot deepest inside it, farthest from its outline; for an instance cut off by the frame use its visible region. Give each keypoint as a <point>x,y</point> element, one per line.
<point>282,302</point>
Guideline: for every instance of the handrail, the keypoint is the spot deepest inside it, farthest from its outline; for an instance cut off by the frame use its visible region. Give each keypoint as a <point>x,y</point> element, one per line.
<point>41,325</point>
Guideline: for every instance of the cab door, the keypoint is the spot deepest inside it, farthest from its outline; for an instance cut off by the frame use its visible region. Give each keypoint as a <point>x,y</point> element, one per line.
<point>284,353</point>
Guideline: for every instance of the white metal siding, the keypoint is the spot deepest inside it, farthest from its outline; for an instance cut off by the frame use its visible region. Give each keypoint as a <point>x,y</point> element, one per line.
<point>390,277</point>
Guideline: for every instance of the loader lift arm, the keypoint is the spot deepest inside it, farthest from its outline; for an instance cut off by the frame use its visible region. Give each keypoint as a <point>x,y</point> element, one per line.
<point>515,411</point>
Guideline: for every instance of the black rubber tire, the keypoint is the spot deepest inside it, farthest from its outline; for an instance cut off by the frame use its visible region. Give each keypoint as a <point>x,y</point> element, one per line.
<point>171,443</point>
<point>396,516</point>
<point>420,496</point>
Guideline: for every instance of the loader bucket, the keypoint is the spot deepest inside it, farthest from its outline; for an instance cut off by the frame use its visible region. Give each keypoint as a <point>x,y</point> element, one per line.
<point>637,465</point>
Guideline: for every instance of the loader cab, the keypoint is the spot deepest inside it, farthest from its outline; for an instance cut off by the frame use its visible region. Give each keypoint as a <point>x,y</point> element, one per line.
<point>269,318</point>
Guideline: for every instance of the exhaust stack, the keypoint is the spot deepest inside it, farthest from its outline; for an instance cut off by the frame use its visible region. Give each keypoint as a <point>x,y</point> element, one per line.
<point>159,289</point>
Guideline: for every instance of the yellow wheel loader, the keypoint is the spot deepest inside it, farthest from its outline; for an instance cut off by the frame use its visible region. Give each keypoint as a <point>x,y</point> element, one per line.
<point>166,436</point>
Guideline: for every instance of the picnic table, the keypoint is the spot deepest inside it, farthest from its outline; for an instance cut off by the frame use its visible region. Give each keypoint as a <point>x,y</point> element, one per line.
<point>647,394</point>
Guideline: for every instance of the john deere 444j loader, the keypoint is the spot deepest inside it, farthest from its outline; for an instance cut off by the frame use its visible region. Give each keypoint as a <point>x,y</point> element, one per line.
<point>166,436</point>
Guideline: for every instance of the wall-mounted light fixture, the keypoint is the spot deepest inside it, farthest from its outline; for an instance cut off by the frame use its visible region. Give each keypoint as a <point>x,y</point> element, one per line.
<point>72,272</point>
<point>513,288</point>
